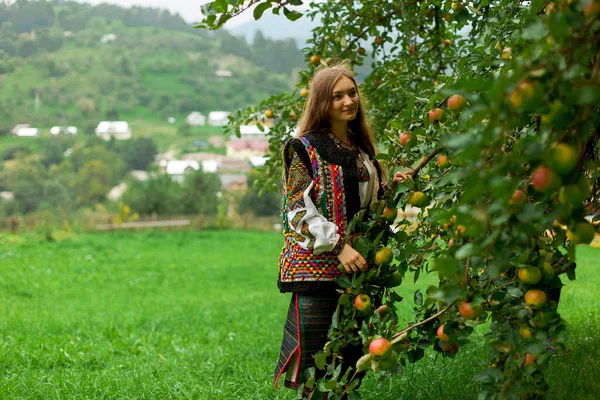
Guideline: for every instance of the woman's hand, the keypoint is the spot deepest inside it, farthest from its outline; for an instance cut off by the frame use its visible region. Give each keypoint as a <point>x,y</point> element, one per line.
<point>399,177</point>
<point>352,260</point>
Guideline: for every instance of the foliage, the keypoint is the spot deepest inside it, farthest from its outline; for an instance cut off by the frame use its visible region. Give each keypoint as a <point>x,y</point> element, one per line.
<point>523,172</point>
<point>159,65</point>
<point>253,201</point>
<point>138,153</point>
<point>200,193</point>
<point>158,195</point>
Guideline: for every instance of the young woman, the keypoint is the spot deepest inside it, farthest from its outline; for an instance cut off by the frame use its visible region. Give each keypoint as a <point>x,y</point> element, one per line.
<point>329,175</point>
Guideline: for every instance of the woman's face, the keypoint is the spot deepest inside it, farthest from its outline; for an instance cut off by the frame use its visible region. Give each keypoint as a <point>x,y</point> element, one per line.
<point>345,101</point>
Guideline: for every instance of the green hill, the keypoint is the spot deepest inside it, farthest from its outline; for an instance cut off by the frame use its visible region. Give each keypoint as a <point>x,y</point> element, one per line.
<point>54,68</point>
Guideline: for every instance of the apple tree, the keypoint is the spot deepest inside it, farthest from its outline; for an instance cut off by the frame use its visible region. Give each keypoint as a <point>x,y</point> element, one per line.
<point>495,106</point>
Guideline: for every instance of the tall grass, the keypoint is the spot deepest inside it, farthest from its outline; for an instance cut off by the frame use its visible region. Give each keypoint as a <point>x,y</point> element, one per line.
<point>197,315</point>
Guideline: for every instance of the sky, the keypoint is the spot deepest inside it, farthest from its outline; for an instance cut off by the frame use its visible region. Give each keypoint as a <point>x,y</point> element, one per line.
<point>188,9</point>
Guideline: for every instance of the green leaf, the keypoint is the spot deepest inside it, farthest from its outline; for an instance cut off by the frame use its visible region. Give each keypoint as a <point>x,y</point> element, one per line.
<point>466,251</point>
<point>535,31</point>
<point>354,395</point>
<point>344,299</point>
<point>363,246</point>
<point>418,297</point>
<point>260,9</point>
<point>291,14</point>
<point>457,141</point>
<point>320,360</point>
<point>220,6</point>
<point>445,266</point>
<point>492,375</point>
<point>383,156</point>
<point>335,319</point>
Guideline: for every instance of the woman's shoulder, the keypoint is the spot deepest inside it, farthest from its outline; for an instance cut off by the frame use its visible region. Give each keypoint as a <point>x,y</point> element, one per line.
<point>295,146</point>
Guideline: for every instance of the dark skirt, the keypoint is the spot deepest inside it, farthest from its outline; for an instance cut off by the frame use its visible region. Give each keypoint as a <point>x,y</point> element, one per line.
<point>305,331</point>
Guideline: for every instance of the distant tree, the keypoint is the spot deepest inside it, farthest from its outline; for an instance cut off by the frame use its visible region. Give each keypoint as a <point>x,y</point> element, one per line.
<point>57,192</point>
<point>15,151</point>
<point>49,41</point>
<point>53,151</point>
<point>139,153</point>
<point>86,105</point>
<point>26,182</point>
<point>199,193</point>
<point>93,182</point>
<point>96,150</point>
<point>71,21</point>
<point>158,195</point>
<point>27,48</point>
<point>252,201</point>
<point>112,114</point>
<point>184,129</point>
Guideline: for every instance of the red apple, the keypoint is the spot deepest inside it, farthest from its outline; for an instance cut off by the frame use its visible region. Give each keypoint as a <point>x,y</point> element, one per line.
<point>518,197</point>
<point>441,335</point>
<point>436,115</point>
<point>405,138</point>
<point>535,298</point>
<point>379,348</point>
<point>443,161</point>
<point>529,359</point>
<point>544,179</point>
<point>468,311</point>
<point>362,302</point>
<point>456,102</point>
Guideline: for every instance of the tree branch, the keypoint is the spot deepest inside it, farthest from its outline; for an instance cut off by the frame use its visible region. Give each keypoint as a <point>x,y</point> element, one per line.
<point>397,336</point>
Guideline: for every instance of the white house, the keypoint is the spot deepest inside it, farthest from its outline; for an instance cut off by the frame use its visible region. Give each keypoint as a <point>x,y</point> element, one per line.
<point>26,131</point>
<point>8,196</point>
<point>252,132</point>
<point>223,73</point>
<point>177,169</point>
<point>196,118</point>
<point>218,118</point>
<point>67,130</point>
<point>108,38</point>
<point>117,192</point>
<point>252,143</point>
<point>258,161</point>
<point>120,130</point>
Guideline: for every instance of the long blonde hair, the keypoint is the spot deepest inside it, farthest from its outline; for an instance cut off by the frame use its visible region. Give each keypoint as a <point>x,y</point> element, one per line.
<point>315,116</point>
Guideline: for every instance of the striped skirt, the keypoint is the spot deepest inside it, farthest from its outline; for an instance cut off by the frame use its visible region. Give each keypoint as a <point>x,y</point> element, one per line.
<point>305,333</point>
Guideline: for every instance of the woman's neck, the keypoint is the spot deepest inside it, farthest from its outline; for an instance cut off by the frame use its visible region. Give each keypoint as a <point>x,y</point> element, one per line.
<point>340,129</point>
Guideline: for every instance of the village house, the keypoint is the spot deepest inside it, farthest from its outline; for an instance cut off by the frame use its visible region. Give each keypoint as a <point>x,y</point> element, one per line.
<point>196,118</point>
<point>178,169</point>
<point>25,130</point>
<point>108,38</point>
<point>64,130</point>
<point>223,73</point>
<point>120,130</point>
<point>252,143</point>
<point>218,118</point>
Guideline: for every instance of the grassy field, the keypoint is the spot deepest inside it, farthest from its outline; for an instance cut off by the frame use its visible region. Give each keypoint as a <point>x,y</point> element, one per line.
<point>197,315</point>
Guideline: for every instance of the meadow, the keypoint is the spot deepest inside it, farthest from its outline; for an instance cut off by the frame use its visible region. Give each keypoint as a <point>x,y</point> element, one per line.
<point>197,315</point>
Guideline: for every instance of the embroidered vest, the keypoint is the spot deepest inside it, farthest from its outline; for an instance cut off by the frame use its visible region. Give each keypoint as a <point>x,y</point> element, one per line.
<point>335,194</point>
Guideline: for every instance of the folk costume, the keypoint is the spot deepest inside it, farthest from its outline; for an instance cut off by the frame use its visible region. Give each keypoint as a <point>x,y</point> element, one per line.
<point>326,182</point>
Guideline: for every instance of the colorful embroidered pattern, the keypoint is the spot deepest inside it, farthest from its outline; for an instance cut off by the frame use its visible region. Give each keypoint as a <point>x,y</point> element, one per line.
<point>300,265</point>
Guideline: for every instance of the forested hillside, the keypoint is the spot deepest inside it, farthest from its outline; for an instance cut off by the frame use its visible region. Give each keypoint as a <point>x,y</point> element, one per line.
<point>60,64</point>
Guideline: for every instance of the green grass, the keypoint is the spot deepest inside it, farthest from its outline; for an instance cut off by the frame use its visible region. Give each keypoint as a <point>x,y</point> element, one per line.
<point>197,315</point>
